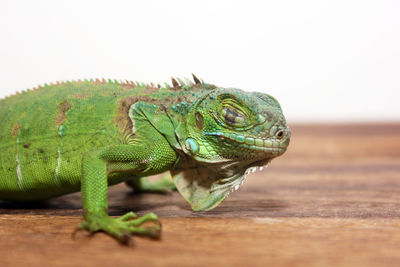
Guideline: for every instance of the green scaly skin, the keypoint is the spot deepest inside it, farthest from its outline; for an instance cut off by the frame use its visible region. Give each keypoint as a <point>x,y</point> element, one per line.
<point>87,135</point>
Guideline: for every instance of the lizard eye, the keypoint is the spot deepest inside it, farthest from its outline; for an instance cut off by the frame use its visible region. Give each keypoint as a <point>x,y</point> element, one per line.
<point>233,115</point>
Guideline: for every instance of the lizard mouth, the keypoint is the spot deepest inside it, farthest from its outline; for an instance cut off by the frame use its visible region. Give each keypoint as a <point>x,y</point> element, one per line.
<point>257,144</point>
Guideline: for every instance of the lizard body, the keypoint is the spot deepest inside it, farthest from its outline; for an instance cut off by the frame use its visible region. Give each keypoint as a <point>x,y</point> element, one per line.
<point>86,135</point>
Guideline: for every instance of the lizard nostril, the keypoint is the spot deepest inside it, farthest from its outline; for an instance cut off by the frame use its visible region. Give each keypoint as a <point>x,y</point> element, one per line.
<point>279,134</point>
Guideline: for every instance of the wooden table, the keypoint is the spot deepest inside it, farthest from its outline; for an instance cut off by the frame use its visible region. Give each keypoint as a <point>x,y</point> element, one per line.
<point>332,200</point>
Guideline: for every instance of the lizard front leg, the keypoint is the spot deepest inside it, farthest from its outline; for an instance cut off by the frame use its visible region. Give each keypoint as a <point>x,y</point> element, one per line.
<point>99,166</point>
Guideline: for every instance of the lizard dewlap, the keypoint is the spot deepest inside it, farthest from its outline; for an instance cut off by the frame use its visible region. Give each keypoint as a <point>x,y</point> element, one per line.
<point>86,135</point>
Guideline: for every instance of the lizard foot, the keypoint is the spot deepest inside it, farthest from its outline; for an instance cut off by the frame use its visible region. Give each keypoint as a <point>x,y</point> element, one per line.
<point>123,227</point>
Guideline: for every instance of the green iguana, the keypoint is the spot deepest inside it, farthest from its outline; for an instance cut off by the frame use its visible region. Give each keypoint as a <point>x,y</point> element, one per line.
<point>87,135</point>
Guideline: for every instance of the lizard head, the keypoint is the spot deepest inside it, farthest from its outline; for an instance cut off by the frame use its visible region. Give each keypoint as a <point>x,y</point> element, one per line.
<point>229,132</point>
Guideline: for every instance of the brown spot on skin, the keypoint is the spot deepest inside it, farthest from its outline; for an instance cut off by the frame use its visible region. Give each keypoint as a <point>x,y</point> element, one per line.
<point>122,119</point>
<point>63,107</point>
<point>15,129</point>
<point>150,89</point>
<point>199,120</point>
<point>80,96</point>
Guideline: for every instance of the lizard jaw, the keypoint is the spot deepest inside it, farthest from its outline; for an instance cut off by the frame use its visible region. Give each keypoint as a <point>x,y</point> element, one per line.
<point>256,144</point>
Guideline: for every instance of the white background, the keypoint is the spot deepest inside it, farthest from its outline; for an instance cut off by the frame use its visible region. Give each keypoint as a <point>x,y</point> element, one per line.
<point>325,61</point>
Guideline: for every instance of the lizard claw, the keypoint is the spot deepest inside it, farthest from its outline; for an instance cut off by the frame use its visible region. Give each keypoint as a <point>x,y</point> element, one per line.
<point>123,227</point>
<point>127,216</point>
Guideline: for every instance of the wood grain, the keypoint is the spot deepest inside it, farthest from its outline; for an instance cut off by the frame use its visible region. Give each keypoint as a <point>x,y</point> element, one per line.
<point>332,200</point>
